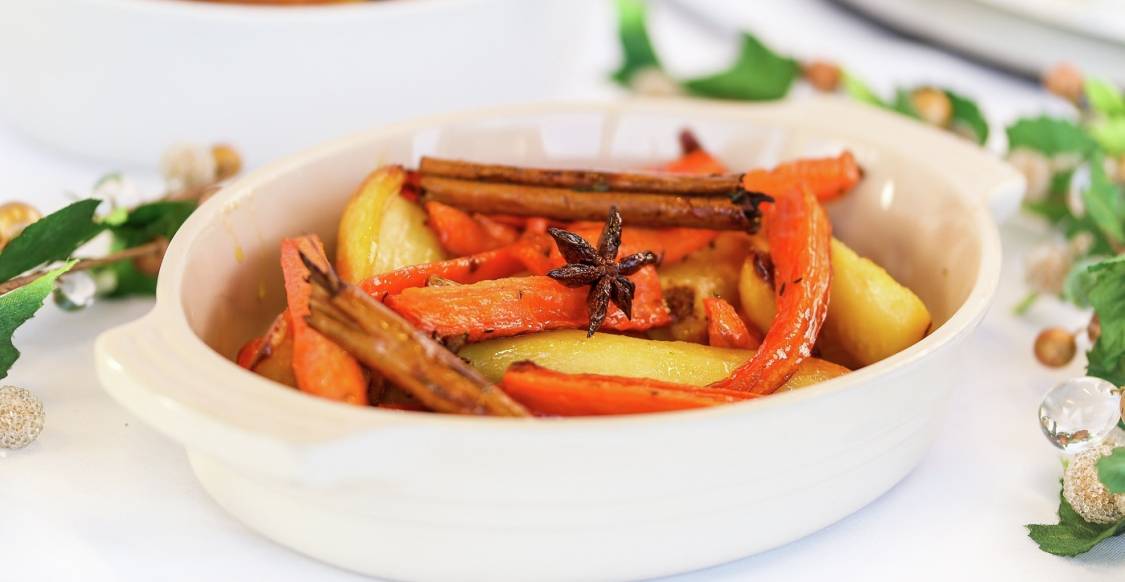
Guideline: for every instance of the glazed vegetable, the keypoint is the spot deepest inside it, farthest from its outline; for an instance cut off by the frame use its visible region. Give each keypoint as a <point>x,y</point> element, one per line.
<point>693,159</point>
<point>827,178</point>
<point>799,236</point>
<point>402,355</point>
<point>618,355</point>
<point>493,264</point>
<point>870,314</point>
<point>381,231</point>
<point>272,354</point>
<point>725,329</point>
<point>549,393</point>
<point>461,234</point>
<point>321,367</point>
<point>505,307</point>
<point>710,272</point>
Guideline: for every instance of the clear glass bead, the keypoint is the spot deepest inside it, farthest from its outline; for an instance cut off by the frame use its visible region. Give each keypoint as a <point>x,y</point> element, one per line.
<point>1080,413</point>
<point>75,291</point>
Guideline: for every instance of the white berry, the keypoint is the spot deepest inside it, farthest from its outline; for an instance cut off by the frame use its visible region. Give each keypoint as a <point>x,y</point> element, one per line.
<point>21,417</point>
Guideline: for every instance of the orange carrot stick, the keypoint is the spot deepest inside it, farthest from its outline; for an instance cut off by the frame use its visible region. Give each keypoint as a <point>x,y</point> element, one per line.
<point>548,393</point>
<point>725,329</point>
<point>800,236</point>
<point>322,368</point>
<point>493,264</point>
<point>248,354</point>
<point>506,307</point>
<point>827,178</point>
<point>461,234</point>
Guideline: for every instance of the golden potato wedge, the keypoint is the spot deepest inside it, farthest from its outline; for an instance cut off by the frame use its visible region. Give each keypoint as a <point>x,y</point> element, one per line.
<point>870,315</point>
<point>381,231</point>
<point>710,272</point>
<point>572,352</point>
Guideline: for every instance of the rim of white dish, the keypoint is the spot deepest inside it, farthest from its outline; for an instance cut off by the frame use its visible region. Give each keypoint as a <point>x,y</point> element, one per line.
<point>169,311</point>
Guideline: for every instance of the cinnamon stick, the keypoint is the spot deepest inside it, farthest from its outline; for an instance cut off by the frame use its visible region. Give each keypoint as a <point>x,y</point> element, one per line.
<point>385,342</point>
<point>582,180</point>
<point>637,208</point>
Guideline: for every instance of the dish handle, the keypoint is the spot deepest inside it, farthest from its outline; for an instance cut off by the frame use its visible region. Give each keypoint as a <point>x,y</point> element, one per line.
<point>240,419</point>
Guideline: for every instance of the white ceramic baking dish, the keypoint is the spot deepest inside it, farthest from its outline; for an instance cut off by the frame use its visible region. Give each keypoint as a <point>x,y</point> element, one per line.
<point>430,497</point>
<point>124,79</point>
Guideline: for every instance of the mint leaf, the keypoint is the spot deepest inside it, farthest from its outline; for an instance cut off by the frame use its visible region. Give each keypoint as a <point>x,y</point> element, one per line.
<point>967,114</point>
<point>52,238</point>
<point>1104,203</point>
<point>1111,470</point>
<point>1072,535</point>
<point>18,306</point>
<point>143,225</point>
<point>1079,280</point>
<point>636,46</point>
<point>1049,135</point>
<point>1110,134</point>
<point>860,91</point>
<point>1104,97</point>
<point>1106,359</point>
<point>904,104</point>
<point>759,74</point>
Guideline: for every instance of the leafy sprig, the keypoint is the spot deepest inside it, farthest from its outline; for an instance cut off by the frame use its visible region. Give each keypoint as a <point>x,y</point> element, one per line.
<point>1072,535</point>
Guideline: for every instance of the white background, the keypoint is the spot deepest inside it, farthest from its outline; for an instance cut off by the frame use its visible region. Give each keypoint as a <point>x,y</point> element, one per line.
<point>101,497</point>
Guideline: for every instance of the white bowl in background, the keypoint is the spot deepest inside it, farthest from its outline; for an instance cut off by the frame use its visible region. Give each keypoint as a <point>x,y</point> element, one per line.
<point>432,497</point>
<point>123,79</point>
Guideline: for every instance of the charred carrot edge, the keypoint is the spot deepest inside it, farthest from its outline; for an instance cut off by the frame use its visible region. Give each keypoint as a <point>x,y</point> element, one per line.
<point>549,393</point>
<point>725,329</point>
<point>461,234</point>
<point>492,264</point>
<point>322,368</point>
<point>827,178</point>
<point>248,355</point>
<point>516,305</point>
<point>697,161</point>
<point>800,237</point>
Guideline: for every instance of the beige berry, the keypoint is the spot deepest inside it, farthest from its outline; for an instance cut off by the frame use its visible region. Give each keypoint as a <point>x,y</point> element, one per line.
<point>1084,490</point>
<point>932,105</point>
<point>822,75</point>
<point>1036,170</point>
<point>14,217</point>
<point>228,162</point>
<point>1064,80</point>
<point>21,417</point>
<point>1055,347</point>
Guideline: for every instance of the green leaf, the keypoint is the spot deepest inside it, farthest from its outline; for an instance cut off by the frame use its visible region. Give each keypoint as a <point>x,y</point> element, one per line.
<point>1072,535</point>
<point>1107,294</point>
<point>1110,134</point>
<point>1104,203</point>
<point>860,91</point>
<point>1111,470</point>
<point>758,74</point>
<point>1079,281</point>
<point>904,104</point>
<point>52,238</point>
<point>1049,135</point>
<point>1104,97</point>
<point>636,46</point>
<point>143,225</point>
<point>967,114</point>
<point>18,306</point>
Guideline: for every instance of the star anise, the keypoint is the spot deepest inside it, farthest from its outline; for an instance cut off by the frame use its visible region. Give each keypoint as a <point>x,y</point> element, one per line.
<point>600,269</point>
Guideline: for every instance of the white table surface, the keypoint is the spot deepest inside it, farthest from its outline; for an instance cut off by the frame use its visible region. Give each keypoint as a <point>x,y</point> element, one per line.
<point>101,497</point>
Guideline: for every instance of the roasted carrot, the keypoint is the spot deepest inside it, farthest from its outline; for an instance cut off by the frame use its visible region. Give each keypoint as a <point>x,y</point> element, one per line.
<point>799,235</point>
<point>322,368</point>
<point>548,393</point>
<point>248,355</point>
<point>725,329</point>
<point>694,160</point>
<point>461,234</point>
<point>827,178</point>
<point>492,264</point>
<point>506,307</point>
